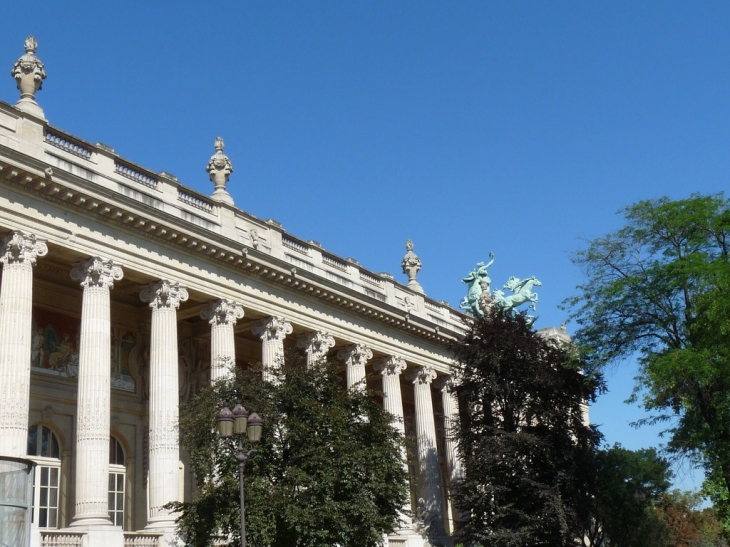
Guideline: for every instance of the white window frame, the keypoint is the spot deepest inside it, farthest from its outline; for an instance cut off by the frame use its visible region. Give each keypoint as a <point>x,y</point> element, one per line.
<point>48,467</point>
<point>117,477</point>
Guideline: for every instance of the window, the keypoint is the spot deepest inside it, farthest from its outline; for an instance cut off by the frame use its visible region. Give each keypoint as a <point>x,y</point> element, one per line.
<point>43,448</point>
<point>117,479</point>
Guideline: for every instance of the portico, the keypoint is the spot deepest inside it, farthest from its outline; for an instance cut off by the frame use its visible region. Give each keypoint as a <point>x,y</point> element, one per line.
<point>123,292</point>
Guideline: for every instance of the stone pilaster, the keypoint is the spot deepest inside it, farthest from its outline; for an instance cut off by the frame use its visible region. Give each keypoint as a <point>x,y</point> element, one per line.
<point>19,253</point>
<point>164,298</point>
<point>272,331</point>
<point>222,316</point>
<point>355,358</point>
<point>97,277</point>
<point>429,510</point>
<point>453,463</point>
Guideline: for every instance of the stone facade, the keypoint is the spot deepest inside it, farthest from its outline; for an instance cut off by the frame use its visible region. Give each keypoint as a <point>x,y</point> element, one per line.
<point>123,292</point>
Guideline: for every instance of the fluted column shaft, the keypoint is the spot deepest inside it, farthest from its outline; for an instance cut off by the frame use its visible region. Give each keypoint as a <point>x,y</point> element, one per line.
<point>272,331</point>
<point>164,298</point>
<point>222,316</point>
<point>316,345</point>
<point>97,277</point>
<point>453,463</point>
<point>355,358</point>
<point>390,370</point>
<point>429,483</point>
<point>16,310</point>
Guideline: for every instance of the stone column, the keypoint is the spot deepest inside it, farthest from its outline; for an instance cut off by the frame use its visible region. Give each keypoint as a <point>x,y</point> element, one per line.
<point>391,368</point>
<point>222,315</point>
<point>453,463</point>
<point>97,277</point>
<point>16,310</point>
<point>272,331</point>
<point>429,509</point>
<point>355,357</point>
<point>316,345</point>
<point>164,297</point>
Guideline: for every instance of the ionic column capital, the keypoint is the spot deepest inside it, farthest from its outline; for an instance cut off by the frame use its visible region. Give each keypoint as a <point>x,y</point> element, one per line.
<point>390,366</point>
<point>444,383</point>
<point>19,247</point>
<point>222,312</point>
<point>316,344</point>
<point>272,328</point>
<point>96,272</point>
<point>164,294</point>
<point>356,354</point>
<point>421,375</point>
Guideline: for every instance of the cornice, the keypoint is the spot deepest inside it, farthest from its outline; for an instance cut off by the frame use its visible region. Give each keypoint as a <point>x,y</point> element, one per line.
<point>83,197</point>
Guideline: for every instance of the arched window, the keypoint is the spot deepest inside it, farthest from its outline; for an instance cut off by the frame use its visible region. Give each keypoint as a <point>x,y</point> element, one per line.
<point>44,449</point>
<point>117,479</point>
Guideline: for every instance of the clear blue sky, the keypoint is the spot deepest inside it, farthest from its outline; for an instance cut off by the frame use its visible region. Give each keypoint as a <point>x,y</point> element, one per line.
<point>469,127</point>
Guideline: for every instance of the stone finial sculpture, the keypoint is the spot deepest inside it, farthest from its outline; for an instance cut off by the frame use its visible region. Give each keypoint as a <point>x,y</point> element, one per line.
<point>220,168</point>
<point>29,74</point>
<point>411,264</point>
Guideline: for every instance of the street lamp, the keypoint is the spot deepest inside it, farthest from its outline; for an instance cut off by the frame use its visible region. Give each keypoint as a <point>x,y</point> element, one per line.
<point>238,423</point>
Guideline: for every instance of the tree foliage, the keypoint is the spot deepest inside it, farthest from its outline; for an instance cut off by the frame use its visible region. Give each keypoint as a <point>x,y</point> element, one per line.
<point>527,454</point>
<point>327,472</point>
<point>630,486</point>
<point>689,525</point>
<point>660,287</point>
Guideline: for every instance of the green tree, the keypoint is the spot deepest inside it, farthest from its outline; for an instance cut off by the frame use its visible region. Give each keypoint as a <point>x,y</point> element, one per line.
<point>659,288</point>
<point>690,526</point>
<point>527,454</point>
<point>630,484</point>
<point>327,472</point>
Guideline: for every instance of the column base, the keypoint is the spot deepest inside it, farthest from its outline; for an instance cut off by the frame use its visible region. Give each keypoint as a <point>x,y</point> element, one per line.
<point>97,521</point>
<point>161,524</point>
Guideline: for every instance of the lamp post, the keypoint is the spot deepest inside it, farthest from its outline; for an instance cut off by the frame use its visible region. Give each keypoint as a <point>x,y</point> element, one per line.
<point>238,423</point>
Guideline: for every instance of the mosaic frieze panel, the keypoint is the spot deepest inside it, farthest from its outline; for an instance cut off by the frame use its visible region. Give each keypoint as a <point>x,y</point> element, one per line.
<point>55,348</point>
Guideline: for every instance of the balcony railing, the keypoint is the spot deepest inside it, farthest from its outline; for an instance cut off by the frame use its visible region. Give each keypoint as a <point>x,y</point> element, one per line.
<point>62,538</point>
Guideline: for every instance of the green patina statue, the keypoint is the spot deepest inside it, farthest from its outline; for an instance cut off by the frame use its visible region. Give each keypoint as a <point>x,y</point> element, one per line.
<point>479,299</point>
<point>478,284</point>
<point>522,292</point>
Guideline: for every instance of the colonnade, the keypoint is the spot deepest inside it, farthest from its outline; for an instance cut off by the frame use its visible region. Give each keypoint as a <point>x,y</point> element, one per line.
<point>18,254</point>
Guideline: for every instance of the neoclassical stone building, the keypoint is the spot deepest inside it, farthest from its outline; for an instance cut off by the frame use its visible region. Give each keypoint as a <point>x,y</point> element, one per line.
<point>123,292</point>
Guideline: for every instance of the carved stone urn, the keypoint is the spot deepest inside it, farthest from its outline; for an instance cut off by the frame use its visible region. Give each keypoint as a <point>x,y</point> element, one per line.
<point>411,264</point>
<point>29,75</point>
<point>220,168</point>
